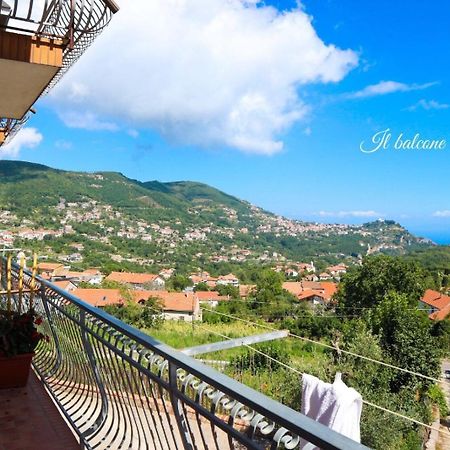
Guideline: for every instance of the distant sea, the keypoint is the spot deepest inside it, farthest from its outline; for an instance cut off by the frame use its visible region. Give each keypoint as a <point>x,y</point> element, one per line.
<point>439,237</point>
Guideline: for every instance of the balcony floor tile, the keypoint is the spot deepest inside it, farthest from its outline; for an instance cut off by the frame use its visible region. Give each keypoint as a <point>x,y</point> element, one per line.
<point>29,420</point>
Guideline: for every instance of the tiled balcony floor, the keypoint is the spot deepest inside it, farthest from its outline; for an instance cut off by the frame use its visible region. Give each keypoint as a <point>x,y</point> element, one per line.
<point>29,420</point>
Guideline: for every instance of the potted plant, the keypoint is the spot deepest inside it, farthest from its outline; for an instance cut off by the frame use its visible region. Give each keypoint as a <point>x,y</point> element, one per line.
<point>19,337</point>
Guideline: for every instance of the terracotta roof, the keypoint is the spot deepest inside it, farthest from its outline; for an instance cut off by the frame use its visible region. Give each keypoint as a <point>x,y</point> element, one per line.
<point>210,296</point>
<point>337,267</point>
<point>99,297</point>
<point>65,284</point>
<point>92,271</point>
<point>246,289</point>
<point>435,299</point>
<point>132,278</point>
<point>294,287</point>
<point>49,266</point>
<point>230,277</point>
<point>70,274</point>
<point>172,301</point>
<point>442,314</point>
<point>307,289</point>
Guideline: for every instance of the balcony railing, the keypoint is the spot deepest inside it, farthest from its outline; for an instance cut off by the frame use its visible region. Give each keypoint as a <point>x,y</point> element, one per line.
<point>75,23</point>
<point>120,388</point>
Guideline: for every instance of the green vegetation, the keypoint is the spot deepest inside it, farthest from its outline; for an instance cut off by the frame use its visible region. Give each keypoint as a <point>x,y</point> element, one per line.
<point>105,208</point>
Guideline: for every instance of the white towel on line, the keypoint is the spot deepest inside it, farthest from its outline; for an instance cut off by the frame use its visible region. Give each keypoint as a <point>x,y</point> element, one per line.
<point>334,405</point>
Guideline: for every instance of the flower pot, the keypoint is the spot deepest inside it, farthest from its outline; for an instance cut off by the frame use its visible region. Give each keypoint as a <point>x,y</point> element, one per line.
<point>14,371</point>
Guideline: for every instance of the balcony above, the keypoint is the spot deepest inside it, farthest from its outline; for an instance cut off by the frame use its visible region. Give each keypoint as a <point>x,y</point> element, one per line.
<point>39,42</point>
<point>27,65</point>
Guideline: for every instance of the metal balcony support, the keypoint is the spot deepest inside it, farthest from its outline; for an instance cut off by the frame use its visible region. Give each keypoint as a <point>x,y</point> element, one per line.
<point>75,23</point>
<point>156,397</point>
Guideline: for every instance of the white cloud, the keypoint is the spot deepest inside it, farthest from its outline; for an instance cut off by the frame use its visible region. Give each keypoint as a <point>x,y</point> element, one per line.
<point>428,105</point>
<point>204,72</point>
<point>63,144</point>
<point>388,87</point>
<point>368,213</point>
<point>86,121</point>
<point>25,138</point>
<point>133,133</point>
<point>443,213</point>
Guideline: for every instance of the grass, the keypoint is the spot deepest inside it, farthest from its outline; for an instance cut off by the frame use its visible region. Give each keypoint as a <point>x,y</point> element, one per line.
<point>182,335</point>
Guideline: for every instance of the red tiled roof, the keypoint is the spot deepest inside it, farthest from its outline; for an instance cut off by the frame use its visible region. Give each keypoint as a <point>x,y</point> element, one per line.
<point>307,289</point>
<point>435,299</point>
<point>440,315</point>
<point>92,271</point>
<point>65,284</point>
<point>210,296</point>
<point>99,297</point>
<point>49,266</point>
<point>132,278</point>
<point>172,301</point>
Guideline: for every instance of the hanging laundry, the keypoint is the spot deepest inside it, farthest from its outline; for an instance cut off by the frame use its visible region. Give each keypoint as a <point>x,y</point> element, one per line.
<point>335,405</point>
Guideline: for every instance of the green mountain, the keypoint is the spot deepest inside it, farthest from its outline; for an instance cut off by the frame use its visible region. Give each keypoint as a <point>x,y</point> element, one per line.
<point>107,217</point>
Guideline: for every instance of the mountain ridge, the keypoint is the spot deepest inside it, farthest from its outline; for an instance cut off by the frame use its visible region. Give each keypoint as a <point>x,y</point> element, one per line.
<point>168,222</point>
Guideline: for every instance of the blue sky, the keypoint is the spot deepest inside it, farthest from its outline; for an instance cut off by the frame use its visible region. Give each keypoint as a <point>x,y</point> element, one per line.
<point>310,167</point>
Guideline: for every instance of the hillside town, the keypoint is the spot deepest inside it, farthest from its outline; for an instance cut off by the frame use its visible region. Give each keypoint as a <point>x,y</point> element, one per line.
<point>315,290</point>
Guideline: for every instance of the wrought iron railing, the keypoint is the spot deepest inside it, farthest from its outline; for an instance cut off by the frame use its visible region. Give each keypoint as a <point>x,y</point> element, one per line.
<point>75,22</point>
<point>120,388</point>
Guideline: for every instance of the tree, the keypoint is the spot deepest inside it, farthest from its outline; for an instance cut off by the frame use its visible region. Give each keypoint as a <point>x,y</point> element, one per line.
<point>405,336</point>
<point>227,289</point>
<point>367,285</point>
<point>201,287</point>
<point>269,286</point>
<point>180,282</point>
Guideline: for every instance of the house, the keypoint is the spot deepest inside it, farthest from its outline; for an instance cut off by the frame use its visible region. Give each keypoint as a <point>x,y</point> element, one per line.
<point>49,270</point>
<point>245,290</point>
<point>138,280</point>
<point>212,298</point>
<point>91,276</point>
<point>100,297</point>
<point>436,304</point>
<point>311,277</point>
<point>166,273</point>
<point>176,305</point>
<point>94,275</point>
<point>305,267</point>
<point>228,280</point>
<point>65,285</point>
<point>291,273</point>
<point>317,293</point>
<point>337,270</point>
<point>203,277</point>
<point>324,276</point>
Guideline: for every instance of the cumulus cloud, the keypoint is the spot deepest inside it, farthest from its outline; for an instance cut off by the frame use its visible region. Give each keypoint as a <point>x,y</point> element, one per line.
<point>428,105</point>
<point>204,72</point>
<point>442,213</point>
<point>368,213</point>
<point>25,138</point>
<point>388,87</point>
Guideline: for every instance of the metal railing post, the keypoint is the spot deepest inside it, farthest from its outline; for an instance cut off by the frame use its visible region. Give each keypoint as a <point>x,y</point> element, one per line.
<point>96,373</point>
<point>55,337</point>
<point>178,409</point>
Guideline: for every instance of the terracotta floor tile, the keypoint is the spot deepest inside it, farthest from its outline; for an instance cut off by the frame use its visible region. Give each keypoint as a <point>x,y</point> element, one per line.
<point>30,421</point>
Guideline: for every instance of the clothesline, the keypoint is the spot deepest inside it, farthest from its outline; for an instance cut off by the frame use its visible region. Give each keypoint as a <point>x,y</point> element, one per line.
<point>312,341</point>
<point>298,372</point>
<point>251,301</point>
